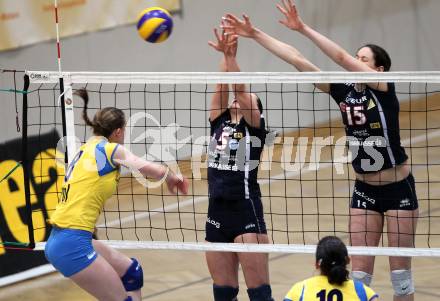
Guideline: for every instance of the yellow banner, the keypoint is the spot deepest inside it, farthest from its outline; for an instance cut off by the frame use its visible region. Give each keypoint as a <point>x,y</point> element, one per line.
<point>24,22</point>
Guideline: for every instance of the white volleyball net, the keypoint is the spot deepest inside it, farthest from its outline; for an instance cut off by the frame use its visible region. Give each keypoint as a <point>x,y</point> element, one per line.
<point>305,173</point>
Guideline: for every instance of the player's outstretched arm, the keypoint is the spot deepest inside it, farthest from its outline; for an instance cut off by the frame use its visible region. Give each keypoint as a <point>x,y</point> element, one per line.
<point>150,169</point>
<point>335,52</point>
<point>220,99</point>
<point>288,53</point>
<point>244,28</point>
<point>247,101</point>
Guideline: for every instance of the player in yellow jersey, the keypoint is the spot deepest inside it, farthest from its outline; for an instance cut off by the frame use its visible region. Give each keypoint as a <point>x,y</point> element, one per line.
<point>91,179</point>
<point>332,283</point>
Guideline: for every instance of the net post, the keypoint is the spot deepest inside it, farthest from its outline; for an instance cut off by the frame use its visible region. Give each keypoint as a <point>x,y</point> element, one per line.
<point>63,116</point>
<point>69,120</point>
<point>25,163</point>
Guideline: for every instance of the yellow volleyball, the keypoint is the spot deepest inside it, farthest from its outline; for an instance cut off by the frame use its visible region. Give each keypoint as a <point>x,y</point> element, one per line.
<point>155,24</point>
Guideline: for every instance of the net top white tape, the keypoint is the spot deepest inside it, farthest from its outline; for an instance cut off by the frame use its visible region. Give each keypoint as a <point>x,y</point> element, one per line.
<point>261,248</point>
<point>232,77</point>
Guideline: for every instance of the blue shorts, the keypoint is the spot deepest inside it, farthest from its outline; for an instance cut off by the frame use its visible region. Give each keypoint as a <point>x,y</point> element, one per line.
<point>70,250</point>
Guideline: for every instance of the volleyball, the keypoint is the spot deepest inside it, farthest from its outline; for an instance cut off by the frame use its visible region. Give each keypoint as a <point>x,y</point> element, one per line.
<point>154,24</point>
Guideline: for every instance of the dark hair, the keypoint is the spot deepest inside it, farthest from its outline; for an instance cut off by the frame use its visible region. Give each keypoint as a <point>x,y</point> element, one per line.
<point>105,120</point>
<point>380,55</point>
<point>332,254</point>
<point>260,105</point>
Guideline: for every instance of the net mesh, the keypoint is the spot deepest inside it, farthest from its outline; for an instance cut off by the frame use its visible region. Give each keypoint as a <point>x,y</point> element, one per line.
<point>304,175</point>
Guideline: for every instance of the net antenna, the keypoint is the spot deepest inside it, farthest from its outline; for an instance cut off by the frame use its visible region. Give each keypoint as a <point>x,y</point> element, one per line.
<point>65,99</point>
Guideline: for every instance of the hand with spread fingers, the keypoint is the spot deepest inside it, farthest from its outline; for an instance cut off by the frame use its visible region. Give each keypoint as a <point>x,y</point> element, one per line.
<point>293,20</point>
<point>226,43</point>
<point>235,26</point>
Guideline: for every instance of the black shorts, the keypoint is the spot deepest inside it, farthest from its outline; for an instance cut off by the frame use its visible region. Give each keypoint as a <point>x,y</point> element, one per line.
<point>394,196</point>
<point>228,219</point>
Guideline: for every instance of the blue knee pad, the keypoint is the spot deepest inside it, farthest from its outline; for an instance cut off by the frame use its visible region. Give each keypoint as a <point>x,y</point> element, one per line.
<point>134,277</point>
<point>225,293</point>
<point>261,293</point>
<point>129,298</point>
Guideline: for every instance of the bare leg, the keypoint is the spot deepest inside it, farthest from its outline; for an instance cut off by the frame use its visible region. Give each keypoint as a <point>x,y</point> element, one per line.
<point>100,280</point>
<point>401,226</point>
<point>223,267</point>
<point>365,230</point>
<point>255,265</point>
<point>120,263</point>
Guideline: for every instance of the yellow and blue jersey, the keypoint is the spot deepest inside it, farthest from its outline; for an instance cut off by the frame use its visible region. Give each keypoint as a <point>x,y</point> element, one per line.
<point>319,289</point>
<point>90,180</point>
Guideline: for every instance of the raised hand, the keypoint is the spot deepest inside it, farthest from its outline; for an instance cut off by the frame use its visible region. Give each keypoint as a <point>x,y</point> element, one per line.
<point>235,26</point>
<point>293,20</point>
<point>225,43</point>
<point>231,46</point>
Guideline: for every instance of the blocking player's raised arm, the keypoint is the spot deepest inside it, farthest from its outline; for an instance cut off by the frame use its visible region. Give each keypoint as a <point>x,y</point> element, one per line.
<point>288,53</point>
<point>220,98</point>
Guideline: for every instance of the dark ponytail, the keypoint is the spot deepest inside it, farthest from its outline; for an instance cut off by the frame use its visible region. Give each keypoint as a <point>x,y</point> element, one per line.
<point>259,104</point>
<point>85,97</point>
<point>332,257</point>
<point>105,120</point>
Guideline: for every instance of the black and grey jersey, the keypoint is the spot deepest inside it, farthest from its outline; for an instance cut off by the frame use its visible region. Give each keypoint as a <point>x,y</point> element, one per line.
<point>233,158</point>
<point>371,120</point>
